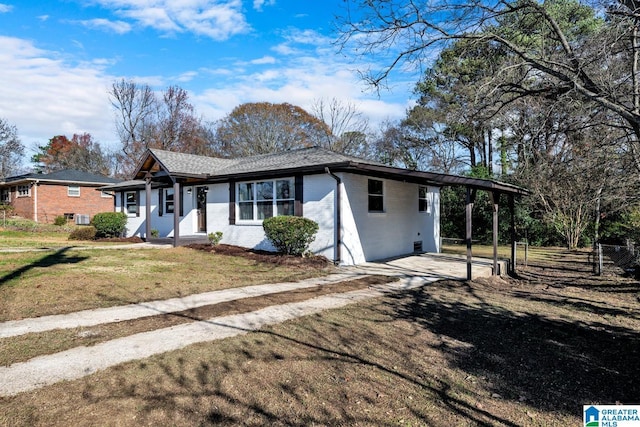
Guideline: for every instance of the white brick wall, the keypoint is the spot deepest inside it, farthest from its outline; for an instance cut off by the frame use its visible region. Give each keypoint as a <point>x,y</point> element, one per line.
<point>366,236</point>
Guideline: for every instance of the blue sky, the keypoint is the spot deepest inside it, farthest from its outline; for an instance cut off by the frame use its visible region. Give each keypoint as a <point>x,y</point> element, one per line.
<point>59,59</point>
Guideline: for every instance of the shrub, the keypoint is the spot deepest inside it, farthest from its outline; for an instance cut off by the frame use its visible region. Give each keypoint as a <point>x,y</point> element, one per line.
<point>291,235</point>
<point>214,238</point>
<point>155,233</point>
<point>83,233</point>
<point>60,220</point>
<point>110,224</point>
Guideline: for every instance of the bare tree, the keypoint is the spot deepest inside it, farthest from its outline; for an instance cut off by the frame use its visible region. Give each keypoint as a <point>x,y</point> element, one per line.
<point>261,128</point>
<point>147,120</point>
<point>539,44</point>
<point>347,128</point>
<point>11,150</point>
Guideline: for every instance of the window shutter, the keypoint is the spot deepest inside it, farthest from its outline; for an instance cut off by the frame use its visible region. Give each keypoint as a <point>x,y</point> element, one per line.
<point>181,201</point>
<point>232,203</point>
<point>121,202</point>
<point>297,207</point>
<point>160,201</point>
<point>138,203</point>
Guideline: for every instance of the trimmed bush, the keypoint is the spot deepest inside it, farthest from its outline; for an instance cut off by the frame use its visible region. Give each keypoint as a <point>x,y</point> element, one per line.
<point>60,220</point>
<point>291,235</point>
<point>83,233</point>
<point>214,238</point>
<point>110,224</point>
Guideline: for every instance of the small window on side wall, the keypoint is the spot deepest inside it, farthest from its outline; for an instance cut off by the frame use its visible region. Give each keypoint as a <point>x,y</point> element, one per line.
<point>73,191</point>
<point>423,202</point>
<point>376,195</point>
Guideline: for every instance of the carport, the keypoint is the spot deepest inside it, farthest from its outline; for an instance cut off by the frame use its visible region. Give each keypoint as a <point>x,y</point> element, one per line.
<point>472,185</point>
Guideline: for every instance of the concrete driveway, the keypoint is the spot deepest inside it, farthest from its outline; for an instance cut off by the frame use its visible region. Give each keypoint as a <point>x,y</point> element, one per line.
<point>429,267</point>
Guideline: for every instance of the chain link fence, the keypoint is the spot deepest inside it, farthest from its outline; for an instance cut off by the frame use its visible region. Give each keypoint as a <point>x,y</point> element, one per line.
<point>612,259</point>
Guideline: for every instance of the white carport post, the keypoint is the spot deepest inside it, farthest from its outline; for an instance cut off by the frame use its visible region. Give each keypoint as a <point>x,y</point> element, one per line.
<point>176,213</point>
<point>147,207</point>
<point>471,196</point>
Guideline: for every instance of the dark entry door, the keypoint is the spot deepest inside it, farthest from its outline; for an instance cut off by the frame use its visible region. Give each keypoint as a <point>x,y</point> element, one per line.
<point>201,193</point>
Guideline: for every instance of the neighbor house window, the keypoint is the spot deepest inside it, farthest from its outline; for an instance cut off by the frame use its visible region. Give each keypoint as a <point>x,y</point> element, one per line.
<point>423,204</point>
<point>73,191</point>
<point>131,202</point>
<point>5,196</point>
<point>264,199</point>
<point>168,200</point>
<point>376,196</point>
<point>24,191</point>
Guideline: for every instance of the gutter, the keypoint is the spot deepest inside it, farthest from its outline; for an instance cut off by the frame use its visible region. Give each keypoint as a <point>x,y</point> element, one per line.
<point>338,223</point>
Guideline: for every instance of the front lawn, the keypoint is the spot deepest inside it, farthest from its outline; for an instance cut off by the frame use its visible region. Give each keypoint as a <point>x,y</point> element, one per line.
<point>65,280</point>
<point>526,351</point>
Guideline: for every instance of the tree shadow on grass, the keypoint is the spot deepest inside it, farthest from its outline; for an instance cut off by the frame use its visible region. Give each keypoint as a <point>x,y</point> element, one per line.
<point>58,257</point>
<point>550,363</point>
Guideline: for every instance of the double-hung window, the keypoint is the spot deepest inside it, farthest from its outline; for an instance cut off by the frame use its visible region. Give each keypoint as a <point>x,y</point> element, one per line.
<point>168,200</point>
<point>263,199</point>
<point>131,202</point>
<point>24,191</point>
<point>73,191</point>
<point>5,196</point>
<point>376,195</point>
<point>423,203</point>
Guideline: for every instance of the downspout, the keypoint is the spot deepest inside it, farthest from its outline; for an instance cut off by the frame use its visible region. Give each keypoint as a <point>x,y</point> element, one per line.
<point>338,224</point>
<point>35,200</point>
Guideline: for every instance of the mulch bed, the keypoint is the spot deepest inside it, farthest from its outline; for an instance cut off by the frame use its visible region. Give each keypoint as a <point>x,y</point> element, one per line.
<point>262,256</point>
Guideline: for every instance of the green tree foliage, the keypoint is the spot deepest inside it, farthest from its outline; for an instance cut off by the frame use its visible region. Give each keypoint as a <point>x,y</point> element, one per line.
<point>109,224</point>
<point>263,128</point>
<point>291,235</point>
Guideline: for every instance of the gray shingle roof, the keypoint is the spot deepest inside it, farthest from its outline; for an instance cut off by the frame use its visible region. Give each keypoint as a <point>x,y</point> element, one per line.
<point>67,175</point>
<point>189,164</point>
<point>307,160</point>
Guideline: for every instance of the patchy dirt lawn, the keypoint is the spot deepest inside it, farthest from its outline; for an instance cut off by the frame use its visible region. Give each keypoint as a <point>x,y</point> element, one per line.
<point>526,351</point>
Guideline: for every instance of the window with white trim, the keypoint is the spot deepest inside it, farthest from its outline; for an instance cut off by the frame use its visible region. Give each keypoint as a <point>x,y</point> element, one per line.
<point>263,199</point>
<point>24,190</point>
<point>376,195</point>
<point>169,200</point>
<point>5,195</point>
<point>423,202</point>
<point>131,202</point>
<point>73,191</point>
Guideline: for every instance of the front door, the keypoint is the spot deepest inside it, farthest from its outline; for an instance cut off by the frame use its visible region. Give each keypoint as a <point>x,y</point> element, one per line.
<point>201,196</point>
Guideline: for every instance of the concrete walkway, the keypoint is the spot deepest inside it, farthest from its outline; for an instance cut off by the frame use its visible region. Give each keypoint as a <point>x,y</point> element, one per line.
<point>412,272</point>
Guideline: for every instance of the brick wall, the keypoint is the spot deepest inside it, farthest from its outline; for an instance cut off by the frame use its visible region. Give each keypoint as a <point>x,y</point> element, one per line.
<point>23,206</point>
<point>53,201</point>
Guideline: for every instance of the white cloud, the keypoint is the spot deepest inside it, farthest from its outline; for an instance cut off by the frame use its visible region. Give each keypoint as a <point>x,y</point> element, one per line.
<point>217,19</point>
<point>300,81</point>
<point>4,8</point>
<point>43,96</point>
<point>118,27</point>
<point>259,4</point>
<point>43,18</point>
<point>264,60</point>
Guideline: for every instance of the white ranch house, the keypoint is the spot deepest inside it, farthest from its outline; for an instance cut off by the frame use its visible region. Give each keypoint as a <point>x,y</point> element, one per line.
<point>365,210</point>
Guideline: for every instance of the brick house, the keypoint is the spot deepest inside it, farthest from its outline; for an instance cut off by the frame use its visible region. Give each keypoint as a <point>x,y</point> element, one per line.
<point>43,197</point>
